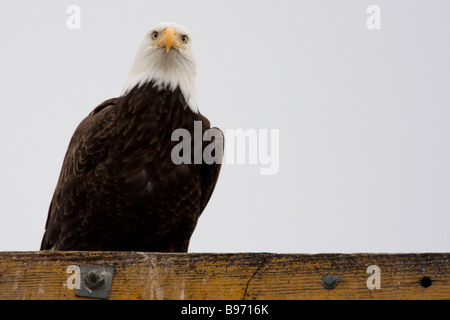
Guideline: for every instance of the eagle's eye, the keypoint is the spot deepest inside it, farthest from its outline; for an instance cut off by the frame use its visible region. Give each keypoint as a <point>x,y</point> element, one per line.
<point>184,39</point>
<point>155,35</point>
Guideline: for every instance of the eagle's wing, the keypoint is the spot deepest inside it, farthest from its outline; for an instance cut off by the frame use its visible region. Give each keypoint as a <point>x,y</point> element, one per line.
<point>210,172</point>
<point>89,146</point>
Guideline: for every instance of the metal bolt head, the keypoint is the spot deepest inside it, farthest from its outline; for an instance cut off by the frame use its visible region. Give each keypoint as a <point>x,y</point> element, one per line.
<point>93,280</point>
<point>96,281</point>
<point>93,276</point>
<point>330,281</point>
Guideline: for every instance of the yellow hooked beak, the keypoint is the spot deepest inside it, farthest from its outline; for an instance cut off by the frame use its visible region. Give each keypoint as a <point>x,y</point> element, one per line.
<point>169,39</point>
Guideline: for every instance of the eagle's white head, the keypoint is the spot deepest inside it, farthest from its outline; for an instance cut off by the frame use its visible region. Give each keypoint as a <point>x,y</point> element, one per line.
<point>165,56</point>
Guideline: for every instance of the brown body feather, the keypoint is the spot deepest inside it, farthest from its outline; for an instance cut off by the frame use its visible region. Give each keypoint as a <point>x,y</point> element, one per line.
<point>119,189</point>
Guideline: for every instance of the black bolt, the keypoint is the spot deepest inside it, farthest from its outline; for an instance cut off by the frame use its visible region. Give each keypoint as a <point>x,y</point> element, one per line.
<point>93,280</point>
<point>93,276</point>
<point>426,282</point>
<point>330,281</point>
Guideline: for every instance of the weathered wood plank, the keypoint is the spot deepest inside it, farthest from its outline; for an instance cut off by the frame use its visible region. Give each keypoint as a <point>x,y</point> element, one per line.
<point>43,275</point>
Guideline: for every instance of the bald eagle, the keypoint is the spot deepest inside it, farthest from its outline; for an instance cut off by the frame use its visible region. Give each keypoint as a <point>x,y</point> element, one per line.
<point>119,189</point>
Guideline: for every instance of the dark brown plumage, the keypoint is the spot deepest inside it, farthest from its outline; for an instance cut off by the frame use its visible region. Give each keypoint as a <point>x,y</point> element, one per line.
<point>119,189</point>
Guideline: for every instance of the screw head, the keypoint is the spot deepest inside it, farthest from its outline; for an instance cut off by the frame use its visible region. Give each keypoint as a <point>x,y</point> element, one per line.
<point>330,281</point>
<point>426,282</point>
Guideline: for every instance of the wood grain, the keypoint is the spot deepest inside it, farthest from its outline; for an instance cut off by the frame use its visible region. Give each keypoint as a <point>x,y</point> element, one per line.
<point>249,276</point>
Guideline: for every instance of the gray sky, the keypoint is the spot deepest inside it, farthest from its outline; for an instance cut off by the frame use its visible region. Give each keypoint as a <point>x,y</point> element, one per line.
<point>363,115</point>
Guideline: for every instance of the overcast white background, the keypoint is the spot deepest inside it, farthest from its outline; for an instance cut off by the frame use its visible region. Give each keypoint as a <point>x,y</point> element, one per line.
<point>364,115</point>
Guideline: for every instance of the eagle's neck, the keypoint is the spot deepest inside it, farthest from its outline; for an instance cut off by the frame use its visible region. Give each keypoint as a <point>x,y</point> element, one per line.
<point>147,115</point>
<point>167,71</point>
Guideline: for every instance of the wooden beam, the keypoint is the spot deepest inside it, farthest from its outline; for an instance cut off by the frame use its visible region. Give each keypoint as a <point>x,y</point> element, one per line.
<point>248,276</point>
